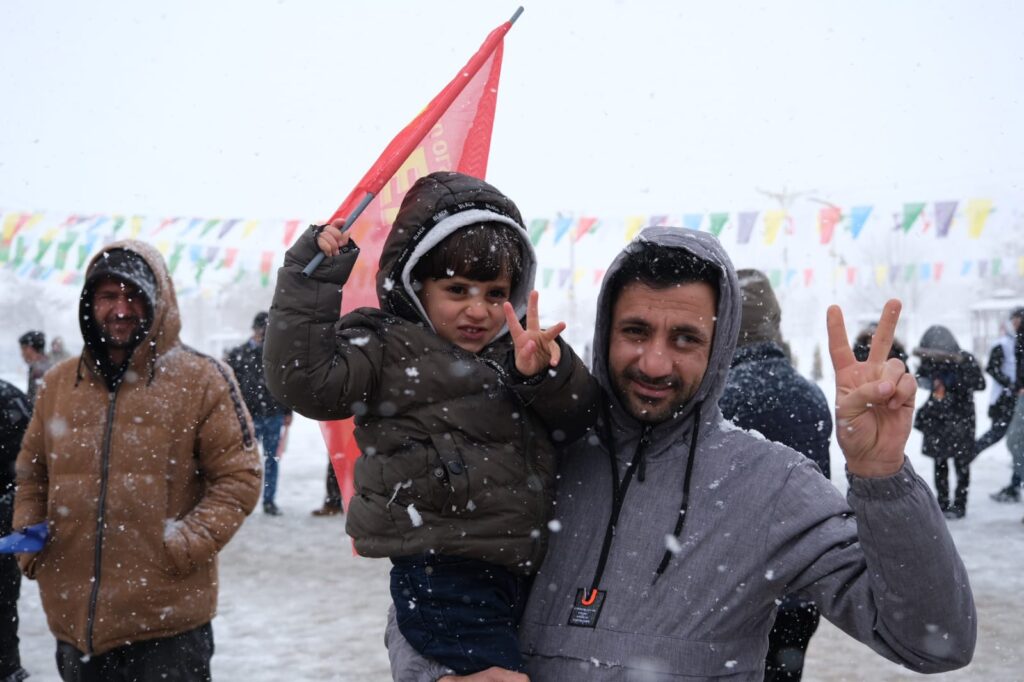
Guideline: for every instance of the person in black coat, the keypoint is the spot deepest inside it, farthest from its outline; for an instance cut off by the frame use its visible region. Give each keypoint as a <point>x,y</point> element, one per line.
<point>862,346</point>
<point>764,393</point>
<point>269,417</point>
<point>947,417</point>
<point>15,412</point>
<point>1002,366</point>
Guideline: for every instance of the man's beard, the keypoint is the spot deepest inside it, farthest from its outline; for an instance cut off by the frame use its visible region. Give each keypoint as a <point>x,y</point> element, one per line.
<point>133,338</point>
<point>651,411</point>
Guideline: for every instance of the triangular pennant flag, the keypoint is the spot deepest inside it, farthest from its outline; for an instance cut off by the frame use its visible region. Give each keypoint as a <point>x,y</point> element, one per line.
<point>164,224</point>
<point>227,227</point>
<point>944,211</point>
<point>978,211</point>
<point>562,225</point>
<point>828,218</point>
<point>692,221</point>
<point>633,226</point>
<point>881,274</point>
<point>808,276</point>
<point>910,214</point>
<point>937,269</point>
<point>136,227</point>
<point>718,221</point>
<point>563,277</point>
<point>210,224</point>
<point>746,226</point>
<point>266,264</point>
<point>290,227</point>
<point>249,228</point>
<point>598,276</point>
<point>858,217</point>
<point>772,224</point>
<point>658,220</point>
<point>585,226</point>
<point>548,273</point>
<point>926,272</point>
<point>538,226</point>
<point>175,259</point>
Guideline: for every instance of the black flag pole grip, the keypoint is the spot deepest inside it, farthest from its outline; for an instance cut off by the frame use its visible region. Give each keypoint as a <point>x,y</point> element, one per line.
<point>349,221</point>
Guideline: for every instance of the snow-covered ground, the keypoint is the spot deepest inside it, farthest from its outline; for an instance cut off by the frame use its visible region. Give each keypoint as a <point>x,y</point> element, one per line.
<point>295,604</point>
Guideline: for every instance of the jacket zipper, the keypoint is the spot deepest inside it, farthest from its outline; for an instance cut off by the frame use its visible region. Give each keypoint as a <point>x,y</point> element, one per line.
<point>101,509</point>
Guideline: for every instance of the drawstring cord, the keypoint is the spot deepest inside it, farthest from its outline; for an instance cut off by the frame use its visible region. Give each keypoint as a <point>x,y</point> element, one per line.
<point>685,503</point>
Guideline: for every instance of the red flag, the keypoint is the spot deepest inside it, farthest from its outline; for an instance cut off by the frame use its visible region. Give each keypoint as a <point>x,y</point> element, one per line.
<point>452,133</point>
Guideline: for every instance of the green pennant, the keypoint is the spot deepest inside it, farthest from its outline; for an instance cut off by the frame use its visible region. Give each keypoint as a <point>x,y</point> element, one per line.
<point>909,271</point>
<point>776,278</point>
<point>200,268</point>
<point>548,272</point>
<point>538,227</point>
<point>118,223</point>
<point>175,259</point>
<point>210,224</point>
<point>5,253</point>
<point>20,249</point>
<point>62,254</point>
<point>910,214</point>
<point>238,277</point>
<point>41,248</point>
<point>83,253</point>
<point>718,221</point>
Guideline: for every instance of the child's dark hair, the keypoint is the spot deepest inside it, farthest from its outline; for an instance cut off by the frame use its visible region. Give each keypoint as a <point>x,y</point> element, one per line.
<point>481,253</point>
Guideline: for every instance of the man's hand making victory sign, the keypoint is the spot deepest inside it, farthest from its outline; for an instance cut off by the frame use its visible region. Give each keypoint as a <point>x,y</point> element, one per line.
<point>874,398</point>
<point>536,348</point>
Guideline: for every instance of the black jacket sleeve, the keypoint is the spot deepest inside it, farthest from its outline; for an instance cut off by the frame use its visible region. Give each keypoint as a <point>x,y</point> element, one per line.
<point>315,362</point>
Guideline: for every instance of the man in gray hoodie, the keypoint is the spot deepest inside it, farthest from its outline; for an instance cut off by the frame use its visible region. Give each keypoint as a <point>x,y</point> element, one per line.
<point>679,533</point>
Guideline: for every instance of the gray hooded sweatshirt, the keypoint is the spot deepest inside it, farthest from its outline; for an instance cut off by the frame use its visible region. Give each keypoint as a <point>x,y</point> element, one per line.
<point>761,522</point>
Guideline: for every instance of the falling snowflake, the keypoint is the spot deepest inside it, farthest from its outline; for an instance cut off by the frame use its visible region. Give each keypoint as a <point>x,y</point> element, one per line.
<point>414,516</point>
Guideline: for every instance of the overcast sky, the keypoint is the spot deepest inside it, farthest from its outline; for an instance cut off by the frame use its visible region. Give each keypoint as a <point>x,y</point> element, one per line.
<point>269,109</point>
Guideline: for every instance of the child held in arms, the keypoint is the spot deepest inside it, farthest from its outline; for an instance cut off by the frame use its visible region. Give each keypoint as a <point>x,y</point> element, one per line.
<point>458,408</point>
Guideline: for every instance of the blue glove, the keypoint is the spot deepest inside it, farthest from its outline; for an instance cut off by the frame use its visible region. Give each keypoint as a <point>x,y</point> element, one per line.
<point>30,539</point>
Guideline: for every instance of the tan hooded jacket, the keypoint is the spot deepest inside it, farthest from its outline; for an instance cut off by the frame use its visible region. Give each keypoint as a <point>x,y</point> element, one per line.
<point>141,485</point>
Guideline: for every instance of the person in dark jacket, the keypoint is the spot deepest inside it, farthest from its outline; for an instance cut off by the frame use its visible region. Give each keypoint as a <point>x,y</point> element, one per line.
<point>1002,366</point>
<point>764,393</point>
<point>458,407</point>
<point>1015,432</point>
<point>862,346</point>
<point>947,417</point>
<point>15,412</point>
<point>269,417</point>
<point>33,352</point>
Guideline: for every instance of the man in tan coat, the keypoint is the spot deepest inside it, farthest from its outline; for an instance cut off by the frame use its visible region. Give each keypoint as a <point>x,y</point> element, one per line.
<point>140,458</point>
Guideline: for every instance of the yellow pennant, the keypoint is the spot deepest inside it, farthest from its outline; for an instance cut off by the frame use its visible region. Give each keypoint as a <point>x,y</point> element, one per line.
<point>772,223</point>
<point>978,211</point>
<point>633,225</point>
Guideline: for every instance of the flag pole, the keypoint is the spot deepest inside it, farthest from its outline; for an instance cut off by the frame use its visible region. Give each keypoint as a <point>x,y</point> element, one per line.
<point>349,221</point>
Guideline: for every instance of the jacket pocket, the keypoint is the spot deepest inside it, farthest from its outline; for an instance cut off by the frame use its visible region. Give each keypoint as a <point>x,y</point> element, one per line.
<point>451,468</point>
